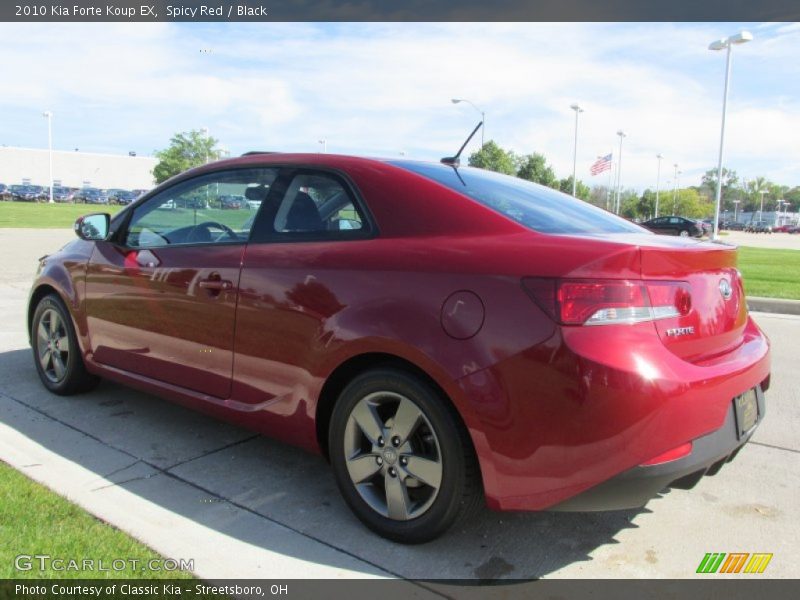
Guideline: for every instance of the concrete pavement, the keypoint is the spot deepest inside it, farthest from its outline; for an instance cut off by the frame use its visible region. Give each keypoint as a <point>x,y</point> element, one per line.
<point>245,506</point>
<point>783,241</point>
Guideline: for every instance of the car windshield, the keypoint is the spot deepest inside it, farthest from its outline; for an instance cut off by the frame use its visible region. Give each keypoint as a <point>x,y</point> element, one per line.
<point>534,206</point>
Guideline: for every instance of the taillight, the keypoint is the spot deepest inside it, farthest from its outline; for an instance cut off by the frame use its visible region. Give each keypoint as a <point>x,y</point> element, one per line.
<point>669,298</point>
<point>608,301</point>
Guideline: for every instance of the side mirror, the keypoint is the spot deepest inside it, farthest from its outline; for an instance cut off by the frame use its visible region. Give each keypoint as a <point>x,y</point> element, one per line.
<point>93,227</point>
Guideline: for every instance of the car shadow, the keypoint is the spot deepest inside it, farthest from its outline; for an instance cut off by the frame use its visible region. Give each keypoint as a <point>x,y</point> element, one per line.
<point>280,483</point>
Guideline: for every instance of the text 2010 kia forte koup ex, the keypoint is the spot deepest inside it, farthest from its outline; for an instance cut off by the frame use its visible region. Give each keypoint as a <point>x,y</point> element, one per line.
<point>445,336</point>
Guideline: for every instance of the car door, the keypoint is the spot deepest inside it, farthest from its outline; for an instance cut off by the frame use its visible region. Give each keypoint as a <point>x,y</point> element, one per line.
<point>674,225</point>
<point>656,225</point>
<point>161,293</point>
<point>287,294</point>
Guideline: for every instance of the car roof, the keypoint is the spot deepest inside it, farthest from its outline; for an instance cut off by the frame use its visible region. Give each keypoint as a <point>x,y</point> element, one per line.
<point>279,158</point>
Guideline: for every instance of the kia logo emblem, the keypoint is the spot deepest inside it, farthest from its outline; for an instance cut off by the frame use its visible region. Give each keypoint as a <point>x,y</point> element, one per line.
<point>725,289</point>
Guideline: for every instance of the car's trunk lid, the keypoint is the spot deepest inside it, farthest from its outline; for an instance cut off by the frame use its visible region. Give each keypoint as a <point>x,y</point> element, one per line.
<point>718,314</point>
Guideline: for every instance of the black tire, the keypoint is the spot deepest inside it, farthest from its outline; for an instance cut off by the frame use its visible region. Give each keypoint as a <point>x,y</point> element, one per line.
<point>459,493</point>
<point>71,376</point>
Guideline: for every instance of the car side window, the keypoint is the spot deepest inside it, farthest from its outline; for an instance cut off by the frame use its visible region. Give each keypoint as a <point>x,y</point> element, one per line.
<point>210,209</point>
<point>676,220</point>
<point>317,203</point>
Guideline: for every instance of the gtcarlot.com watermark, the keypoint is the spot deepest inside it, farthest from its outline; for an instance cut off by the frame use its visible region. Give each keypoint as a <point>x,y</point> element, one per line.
<point>46,562</point>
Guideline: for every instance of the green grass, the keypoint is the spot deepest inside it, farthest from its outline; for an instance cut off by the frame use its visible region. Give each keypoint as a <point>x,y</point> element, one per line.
<point>34,520</point>
<point>62,216</point>
<point>47,216</point>
<point>767,272</point>
<point>770,273</point>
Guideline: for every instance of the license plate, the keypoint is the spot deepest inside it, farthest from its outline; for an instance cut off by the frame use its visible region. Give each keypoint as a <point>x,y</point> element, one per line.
<point>746,407</point>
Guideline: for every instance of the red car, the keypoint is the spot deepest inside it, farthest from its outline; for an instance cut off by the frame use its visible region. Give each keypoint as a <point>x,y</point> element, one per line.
<point>445,336</point>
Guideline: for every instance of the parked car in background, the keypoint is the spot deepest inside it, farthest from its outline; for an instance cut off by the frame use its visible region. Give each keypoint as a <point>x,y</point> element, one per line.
<point>233,202</point>
<point>553,355</point>
<point>758,227</point>
<point>112,194</point>
<point>794,229</point>
<point>28,193</point>
<point>121,197</point>
<point>14,191</point>
<point>197,203</point>
<point>91,196</point>
<point>675,226</point>
<point>705,225</point>
<point>63,194</point>
<point>4,193</point>
<point>734,226</point>
<point>781,228</point>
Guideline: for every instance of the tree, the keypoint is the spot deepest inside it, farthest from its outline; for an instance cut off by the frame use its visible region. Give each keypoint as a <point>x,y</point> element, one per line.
<point>601,196</point>
<point>793,198</point>
<point>751,193</point>
<point>647,204</point>
<point>686,203</point>
<point>493,158</point>
<point>534,168</point>
<point>629,204</point>
<point>708,187</point>
<point>186,150</point>
<point>581,189</point>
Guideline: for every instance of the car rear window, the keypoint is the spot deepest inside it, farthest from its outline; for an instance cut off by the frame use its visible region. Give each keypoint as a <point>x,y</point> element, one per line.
<point>535,206</point>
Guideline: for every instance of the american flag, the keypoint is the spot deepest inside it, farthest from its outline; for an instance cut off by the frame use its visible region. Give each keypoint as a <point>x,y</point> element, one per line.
<point>602,164</point>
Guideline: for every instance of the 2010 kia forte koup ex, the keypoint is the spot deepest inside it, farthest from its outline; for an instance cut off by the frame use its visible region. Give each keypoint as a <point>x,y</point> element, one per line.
<point>445,336</point>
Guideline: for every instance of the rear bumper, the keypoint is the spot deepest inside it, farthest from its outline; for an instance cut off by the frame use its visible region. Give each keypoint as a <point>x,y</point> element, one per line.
<point>635,487</point>
<point>589,405</point>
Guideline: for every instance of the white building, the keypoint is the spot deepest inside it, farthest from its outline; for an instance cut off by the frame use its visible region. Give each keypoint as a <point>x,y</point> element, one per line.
<point>76,169</point>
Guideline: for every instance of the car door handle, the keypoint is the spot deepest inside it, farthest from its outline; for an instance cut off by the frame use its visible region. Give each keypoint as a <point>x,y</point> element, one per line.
<point>216,284</point>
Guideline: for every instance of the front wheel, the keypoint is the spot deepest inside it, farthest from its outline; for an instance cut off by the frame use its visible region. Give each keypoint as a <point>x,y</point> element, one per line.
<point>684,233</point>
<point>56,353</point>
<point>401,458</point>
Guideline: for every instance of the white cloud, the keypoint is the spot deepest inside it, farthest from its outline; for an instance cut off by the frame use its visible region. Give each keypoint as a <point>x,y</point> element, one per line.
<point>383,88</point>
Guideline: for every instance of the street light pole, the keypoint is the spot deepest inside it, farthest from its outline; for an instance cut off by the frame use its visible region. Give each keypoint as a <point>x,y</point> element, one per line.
<point>726,44</point>
<point>735,208</point>
<point>204,131</point>
<point>49,116</point>
<point>578,110</point>
<point>483,115</point>
<point>658,179</point>
<point>675,190</point>
<point>621,135</point>
<point>761,210</point>
<point>610,174</point>
<point>324,143</point>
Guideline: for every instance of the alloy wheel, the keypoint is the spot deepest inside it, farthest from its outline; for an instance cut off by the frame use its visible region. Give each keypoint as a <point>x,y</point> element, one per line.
<point>52,345</point>
<point>393,456</point>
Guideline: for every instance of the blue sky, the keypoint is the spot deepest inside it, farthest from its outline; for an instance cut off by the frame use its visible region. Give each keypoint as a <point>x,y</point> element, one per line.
<point>383,89</point>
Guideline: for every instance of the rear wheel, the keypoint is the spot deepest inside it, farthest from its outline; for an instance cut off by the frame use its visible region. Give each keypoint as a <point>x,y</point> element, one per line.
<point>401,458</point>
<point>55,349</point>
